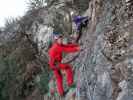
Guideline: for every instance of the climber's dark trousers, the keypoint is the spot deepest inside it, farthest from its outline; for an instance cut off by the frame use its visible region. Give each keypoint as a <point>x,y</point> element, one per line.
<point>59,80</point>
<point>79,29</point>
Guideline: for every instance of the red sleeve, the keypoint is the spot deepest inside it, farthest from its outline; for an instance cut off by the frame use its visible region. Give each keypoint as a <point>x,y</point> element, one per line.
<point>70,48</point>
<point>71,45</point>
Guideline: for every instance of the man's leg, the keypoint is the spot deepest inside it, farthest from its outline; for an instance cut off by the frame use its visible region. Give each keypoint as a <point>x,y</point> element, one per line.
<point>59,82</point>
<point>69,73</point>
<point>79,31</point>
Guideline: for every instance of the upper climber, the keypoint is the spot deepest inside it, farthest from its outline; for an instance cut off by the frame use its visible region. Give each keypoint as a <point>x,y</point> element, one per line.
<point>55,62</point>
<point>80,22</point>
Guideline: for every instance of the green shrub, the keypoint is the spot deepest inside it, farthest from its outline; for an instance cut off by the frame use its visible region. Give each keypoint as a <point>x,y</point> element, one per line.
<point>8,77</point>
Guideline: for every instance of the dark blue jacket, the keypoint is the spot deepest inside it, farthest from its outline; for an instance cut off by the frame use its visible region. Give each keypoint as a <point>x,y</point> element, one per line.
<point>78,20</point>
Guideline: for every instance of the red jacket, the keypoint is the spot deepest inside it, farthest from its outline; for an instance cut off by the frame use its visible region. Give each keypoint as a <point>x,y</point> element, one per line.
<point>55,52</point>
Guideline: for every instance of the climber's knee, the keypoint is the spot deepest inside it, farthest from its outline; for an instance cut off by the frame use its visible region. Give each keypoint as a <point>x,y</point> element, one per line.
<point>63,66</point>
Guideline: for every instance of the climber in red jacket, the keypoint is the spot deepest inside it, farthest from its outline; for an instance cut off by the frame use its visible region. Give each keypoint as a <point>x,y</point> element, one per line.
<point>55,54</point>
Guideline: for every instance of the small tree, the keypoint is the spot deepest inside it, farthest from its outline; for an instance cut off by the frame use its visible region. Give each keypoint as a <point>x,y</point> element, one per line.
<point>10,24</point>
<point>35,4</point>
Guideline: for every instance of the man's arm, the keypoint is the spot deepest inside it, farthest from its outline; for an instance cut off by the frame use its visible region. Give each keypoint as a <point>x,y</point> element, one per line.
<point>82,18</point>
<point>70,48</point>
<point>79,18</point>
<point>71,45</point>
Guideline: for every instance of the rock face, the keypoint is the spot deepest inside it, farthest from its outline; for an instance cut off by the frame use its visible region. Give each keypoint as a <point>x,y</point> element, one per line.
<point>103,69</point>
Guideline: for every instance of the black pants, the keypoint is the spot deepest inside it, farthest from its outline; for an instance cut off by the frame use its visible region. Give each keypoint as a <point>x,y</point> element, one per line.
<point>82,25</point>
